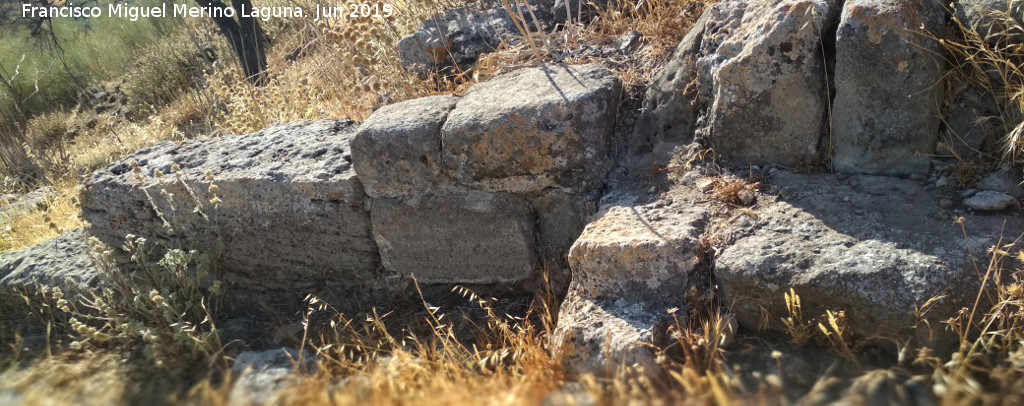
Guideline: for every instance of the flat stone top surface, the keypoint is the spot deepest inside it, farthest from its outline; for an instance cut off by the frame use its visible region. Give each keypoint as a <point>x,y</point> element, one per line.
<point>623,225</point>
<point>548,84</point>
<point>50,263</point>
<point>301,152</point>
<point>897,211</point>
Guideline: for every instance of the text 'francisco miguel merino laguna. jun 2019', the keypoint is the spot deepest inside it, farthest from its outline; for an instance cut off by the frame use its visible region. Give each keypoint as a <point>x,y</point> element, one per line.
<point>135,12</point>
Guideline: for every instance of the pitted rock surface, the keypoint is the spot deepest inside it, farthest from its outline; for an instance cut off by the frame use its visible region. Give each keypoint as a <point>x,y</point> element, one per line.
<point>397,151</point>
<point>885,119</point>
<point>629,268</point>
<point>749,78</point>
<point>874,247</point>
<point>630,249</point>
<point>291,216</point>
<point>532,129</point>
<point>476,237</point>
<point>669,114</point>
<point>762,73</point>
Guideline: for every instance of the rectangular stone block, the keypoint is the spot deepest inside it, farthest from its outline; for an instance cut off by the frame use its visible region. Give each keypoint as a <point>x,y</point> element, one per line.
<point>886,120</point>
<point>290,214</point>
<point>532,129</point>
<point>641,251</point>
<point>397,151</point>
<point>469,238</point>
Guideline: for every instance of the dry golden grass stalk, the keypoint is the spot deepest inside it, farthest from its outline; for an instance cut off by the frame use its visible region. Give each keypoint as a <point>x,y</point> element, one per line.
<point>59,215</point>
<point>990,55</point>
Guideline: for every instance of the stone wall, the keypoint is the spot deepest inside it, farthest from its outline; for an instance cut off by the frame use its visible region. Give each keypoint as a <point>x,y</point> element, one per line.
<point>489,188</point>
<point>859,85</point>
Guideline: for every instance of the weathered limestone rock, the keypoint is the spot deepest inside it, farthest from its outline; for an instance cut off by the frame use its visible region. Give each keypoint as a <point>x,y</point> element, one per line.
<point>629,267</point>
<point>595,335</point>
<point>885,119</point>
<point>291,215</point>
<point>468,238</point>
<point>984,15</point>
<point>533,129</point>
<point>972,119</point>
<point>13,205</point>
<point>263,375</point>
<point>750,78</point>
<point>987,200</point>
<point>763,76</point>
<point>50,264</point>
<point>874,247</point>
<point>669,112</point>
<point>397,151</point>
<point>637,249</point>
<point>458,37</point>
<point>493,186</point>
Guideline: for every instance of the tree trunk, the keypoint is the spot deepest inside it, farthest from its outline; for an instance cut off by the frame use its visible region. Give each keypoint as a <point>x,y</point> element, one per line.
<point>246,38</point>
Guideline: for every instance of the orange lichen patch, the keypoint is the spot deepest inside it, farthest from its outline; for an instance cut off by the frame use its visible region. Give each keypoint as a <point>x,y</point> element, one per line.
<point>519,145</point>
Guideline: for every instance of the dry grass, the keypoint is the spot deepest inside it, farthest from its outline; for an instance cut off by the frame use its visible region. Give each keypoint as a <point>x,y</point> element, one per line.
<point>339,68</point>
<point>368,362</point>
<point>987,366</point>
<point>508,361</point>
<point>108,140</point>
<point>990,55</point>
<point>67,379</point>
<point>735,191</point>
<point>60,215</point>
<point>662,23</point>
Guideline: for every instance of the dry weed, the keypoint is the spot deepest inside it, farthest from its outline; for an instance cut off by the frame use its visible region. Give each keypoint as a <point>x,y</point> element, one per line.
<point>59,215</point>
<point>735,191</point>
<point>989,55</point>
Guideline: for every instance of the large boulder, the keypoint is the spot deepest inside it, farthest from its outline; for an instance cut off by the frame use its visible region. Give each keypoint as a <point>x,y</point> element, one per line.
<point>456,38</point>
<point>288,217</point>
<point>875,247</point>
<point>763,76</point>
<point>885,117</point>
<point>750,78</point>
<point>533,129</point>
<point>469,238</point>
<point>50,264</point>
<point>629,268</point>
